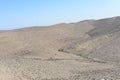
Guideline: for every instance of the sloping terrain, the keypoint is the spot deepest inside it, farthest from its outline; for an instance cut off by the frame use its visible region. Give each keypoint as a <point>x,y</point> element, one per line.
<point>87,50</point>
<point>103,42</point>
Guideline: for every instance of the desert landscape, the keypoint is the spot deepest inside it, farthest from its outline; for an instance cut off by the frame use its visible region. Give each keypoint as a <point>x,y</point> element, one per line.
<point>85,50</point>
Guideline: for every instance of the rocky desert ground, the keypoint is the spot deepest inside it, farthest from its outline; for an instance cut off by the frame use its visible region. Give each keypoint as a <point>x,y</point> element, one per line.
<point>85,50</point>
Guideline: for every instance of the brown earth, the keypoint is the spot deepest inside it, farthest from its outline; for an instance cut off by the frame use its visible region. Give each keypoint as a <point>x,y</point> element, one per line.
<point>86,50</point>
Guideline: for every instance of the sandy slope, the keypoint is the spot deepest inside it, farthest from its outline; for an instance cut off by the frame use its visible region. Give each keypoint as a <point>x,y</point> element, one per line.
<point>62,51</point>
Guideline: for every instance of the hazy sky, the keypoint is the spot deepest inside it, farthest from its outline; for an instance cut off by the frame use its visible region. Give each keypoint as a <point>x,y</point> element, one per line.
<point>24,13</point>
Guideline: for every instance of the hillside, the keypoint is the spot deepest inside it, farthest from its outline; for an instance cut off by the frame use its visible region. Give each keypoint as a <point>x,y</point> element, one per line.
<point>86,50</point>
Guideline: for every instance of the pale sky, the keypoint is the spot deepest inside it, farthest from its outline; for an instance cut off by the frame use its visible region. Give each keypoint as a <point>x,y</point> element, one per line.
<point>24,13</point>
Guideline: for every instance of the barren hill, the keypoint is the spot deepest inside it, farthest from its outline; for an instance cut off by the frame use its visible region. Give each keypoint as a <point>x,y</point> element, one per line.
<point>86,50</point>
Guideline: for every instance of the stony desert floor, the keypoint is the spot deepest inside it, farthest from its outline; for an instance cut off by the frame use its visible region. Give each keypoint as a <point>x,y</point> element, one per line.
<point>86,50</point>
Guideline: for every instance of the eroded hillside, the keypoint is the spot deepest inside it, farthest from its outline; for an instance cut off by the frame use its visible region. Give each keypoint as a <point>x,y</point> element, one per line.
<point>86,50</point>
